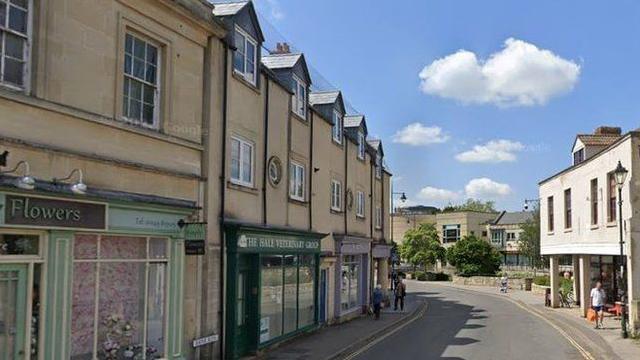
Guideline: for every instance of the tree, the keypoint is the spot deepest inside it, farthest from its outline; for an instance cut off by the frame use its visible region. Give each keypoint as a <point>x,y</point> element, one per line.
<point>529,242</point>
<point>473,256</point>
<point>421,246</point>
<point>472,205</point>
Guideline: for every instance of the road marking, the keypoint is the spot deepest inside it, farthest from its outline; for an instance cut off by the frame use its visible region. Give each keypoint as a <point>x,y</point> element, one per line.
<point>382,337</point>
<point>585,354</point>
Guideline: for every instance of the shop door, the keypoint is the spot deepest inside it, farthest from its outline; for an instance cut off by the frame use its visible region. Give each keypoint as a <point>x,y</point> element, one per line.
<point>13,299</point>
<point>323,296</point>
<point>245,308</point>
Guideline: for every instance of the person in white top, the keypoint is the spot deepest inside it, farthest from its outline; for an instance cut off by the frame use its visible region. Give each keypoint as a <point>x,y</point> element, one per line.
<point>598,298</point>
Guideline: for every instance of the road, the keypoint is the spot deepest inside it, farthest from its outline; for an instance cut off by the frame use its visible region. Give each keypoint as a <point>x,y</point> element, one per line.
<point>461,324</point>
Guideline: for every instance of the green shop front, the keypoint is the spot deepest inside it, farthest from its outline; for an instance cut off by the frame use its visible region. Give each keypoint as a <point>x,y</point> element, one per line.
<point>90,277</point>
<point>272,286</point>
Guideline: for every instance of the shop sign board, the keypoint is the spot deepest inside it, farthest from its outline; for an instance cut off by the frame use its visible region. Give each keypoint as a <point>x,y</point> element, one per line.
<point>354,248</point>
<point>194,247</point>
<point>125,219</point>
<point>34,211</point>
<point>381,251</point>
<point>205,340</point>
<point>264,242</point>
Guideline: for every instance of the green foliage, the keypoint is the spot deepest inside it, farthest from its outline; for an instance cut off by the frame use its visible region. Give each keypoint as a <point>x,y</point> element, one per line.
<point>472,205</point>
<point>542,280</point>
<point>529,242</point>
<point>473,256</point>
<point>421,246</point>
<point>566,285</point>
<point>420,275</point>
<point>430,276</point>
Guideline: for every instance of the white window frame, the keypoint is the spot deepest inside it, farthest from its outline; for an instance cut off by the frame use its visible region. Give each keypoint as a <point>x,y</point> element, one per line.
<point>297,180</point>
<point>336,129</point>
<point>360,204</point>
<point>156,86</point>
<point>240,181</point>
<point>27,50</point>
<point>336,195</point>
<point>378,217</point>
<point>299,84</point>
<point>361,148</point>
<point>378,166</point>
<point>247,40</point>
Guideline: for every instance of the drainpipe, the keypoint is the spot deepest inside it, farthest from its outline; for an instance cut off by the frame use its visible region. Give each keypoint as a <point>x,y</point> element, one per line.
<point>346,183</point>
<point>266,149</point>
<point>223,177</point>
<point>311,171</point>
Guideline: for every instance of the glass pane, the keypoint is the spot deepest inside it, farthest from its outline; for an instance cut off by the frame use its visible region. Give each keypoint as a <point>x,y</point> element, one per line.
<point>271,297</point>
<point>123,247</point>
<point>138,68</point>
<point>150,75</point>
<point>152,54</point>
<point>8,311</point>
<point>235,159</point>
<point>3,14</point>
<point>158,248</point>
<point>240,314</point>
<point>306,291</point>
<point>14,46</point>
<point>18,19</point>
<point>156,310</point>
<point>136,90</point>
<point>16,244</point>
<point>128,44</point>
<point>344,286</point>
<point>238,61</point>
<point>147,114</point>
<point>354,273</point>
<point>127,64</point>
<point>246,162</point>
<point>290,293</point>
<point>121,309</point>
<point>21,3</point>
<point>82,310</point>
<point>139,49</point>
<point>134,109</point>
<point>85,246</point>
<point>149,93</point>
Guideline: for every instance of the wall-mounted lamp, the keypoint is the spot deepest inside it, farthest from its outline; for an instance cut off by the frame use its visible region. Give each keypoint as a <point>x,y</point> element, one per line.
<point>26,181</point>
<point>79,187</point>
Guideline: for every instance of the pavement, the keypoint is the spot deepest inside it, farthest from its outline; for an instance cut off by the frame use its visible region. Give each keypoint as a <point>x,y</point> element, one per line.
<point>341,340</point>
<point>600,344</point>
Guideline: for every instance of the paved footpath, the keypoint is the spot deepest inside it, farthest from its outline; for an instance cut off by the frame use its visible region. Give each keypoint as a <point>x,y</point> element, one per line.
<point>599,344</point>
<point>337,341</point>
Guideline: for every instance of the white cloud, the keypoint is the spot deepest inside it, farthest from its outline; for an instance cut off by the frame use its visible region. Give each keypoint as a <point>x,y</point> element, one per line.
<point>417,134</point>
<point>493,151</point>
<point>520,74</point>
<point>485,188</point>
<point>433,194</point>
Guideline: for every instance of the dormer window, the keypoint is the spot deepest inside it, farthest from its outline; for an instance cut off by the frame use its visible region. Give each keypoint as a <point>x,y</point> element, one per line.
<point>578,156</point>
<point>337,127</point>
<point>244,57</point>
<point>361,144</point>
<point>299,97</point>
<point>378,166</point>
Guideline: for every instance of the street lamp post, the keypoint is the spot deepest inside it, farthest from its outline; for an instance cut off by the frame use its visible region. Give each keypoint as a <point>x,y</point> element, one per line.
<point>403,198</point>
<point>620,174</point>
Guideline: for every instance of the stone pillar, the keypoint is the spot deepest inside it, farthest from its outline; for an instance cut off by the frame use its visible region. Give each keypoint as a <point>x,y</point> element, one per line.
<point>383,273</point>
<point>576,279</point>
<point>585,283</point>
<point>555,280</point>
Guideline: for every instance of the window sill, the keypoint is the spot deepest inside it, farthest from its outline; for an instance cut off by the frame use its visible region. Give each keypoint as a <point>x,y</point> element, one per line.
<point>298,202</point>
<point>336,211</point>
<point>568,230</point>
<point>360,217</point>
<point>338,144</point>
<point>299,117</point>
<point>379,228</point>
<point>594,227</point>
<point>245,82</point>
<point>550,233</point>
<point>242,187</point>
<point>612,224</point>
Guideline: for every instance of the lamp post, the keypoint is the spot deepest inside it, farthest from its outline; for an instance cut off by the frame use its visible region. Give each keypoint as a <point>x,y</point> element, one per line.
<point>403,198</point>
<point>620,174</point>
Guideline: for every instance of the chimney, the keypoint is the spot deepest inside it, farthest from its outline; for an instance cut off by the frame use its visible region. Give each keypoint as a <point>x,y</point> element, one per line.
<point>282,48</point>
<point>608,130</point>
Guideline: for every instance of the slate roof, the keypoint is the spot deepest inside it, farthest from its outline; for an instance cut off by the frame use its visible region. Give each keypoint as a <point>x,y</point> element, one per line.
<point>228,9</point>
<point>513,218</point>
<point>324,97</point>
<point>280,61</point>
<point>598,140</point>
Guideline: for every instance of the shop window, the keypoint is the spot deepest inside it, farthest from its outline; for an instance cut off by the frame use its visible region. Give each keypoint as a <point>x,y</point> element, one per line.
<point>287,294</point>
<point>127,317</point>
<point>19,244</point>
<point>350,276</point>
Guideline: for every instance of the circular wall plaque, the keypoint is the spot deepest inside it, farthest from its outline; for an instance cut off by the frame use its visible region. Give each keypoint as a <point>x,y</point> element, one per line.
<point>275,171</point>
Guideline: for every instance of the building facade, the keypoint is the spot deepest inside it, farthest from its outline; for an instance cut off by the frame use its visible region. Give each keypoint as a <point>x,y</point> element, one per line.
<point>453,226</point>
<point>579,217</point>
<point>102,109</point>
<point>504,232</point>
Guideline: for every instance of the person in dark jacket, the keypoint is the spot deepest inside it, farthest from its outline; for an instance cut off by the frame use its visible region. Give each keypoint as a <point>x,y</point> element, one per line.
<point>377,301</point>
<point>401,292</point>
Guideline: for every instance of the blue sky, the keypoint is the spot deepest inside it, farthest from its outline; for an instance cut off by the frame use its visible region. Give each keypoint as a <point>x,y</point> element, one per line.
<point>521,112</point>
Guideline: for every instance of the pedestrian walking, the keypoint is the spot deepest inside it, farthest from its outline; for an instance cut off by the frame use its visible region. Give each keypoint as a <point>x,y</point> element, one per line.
<point>400,293</point>
<point>598,297</point>
<point>377,301</point>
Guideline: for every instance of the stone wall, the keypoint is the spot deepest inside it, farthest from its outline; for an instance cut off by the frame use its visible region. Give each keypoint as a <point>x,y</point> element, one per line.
<point>487,281</point>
